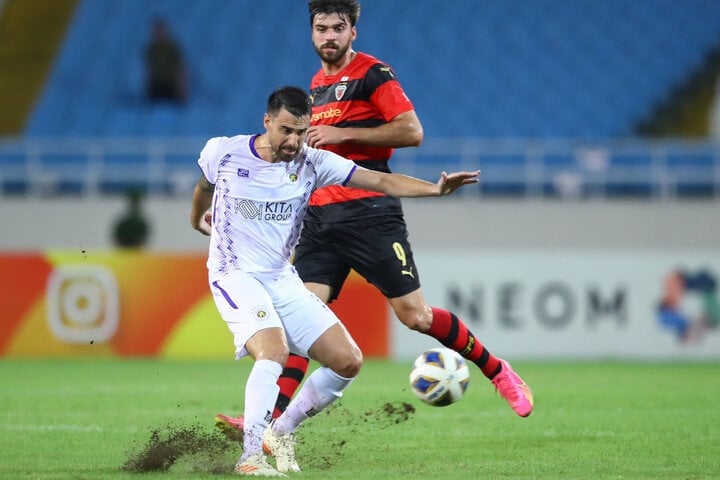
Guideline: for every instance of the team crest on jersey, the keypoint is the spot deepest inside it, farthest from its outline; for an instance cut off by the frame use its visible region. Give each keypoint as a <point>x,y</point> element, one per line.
<point>260,313</point>
<point>340,91</point>
<point>292,177</point>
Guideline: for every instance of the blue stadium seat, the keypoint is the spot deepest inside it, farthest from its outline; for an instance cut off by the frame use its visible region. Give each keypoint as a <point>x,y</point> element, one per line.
<point>122,172</point>
<point>13,169</point>
<point>547,68</point>
<point>630,174</point>
<point>544,69</point>
<point>693,171</point>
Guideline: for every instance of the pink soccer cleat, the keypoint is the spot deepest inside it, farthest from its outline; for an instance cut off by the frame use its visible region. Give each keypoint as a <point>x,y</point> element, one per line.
<point>232,427</point>
<point>514,390</point>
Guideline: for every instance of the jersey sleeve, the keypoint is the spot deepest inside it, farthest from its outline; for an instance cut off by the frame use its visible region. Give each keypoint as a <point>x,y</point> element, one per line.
<point>388,97</point>
<point>331,168</point>
<point>210,158</point>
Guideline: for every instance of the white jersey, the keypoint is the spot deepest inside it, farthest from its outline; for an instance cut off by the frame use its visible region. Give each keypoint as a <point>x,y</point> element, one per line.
<point>258,207</point>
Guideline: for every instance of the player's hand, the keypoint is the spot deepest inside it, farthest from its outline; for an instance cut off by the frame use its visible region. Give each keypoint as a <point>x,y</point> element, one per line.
<point>205,225</point>
<point>319,135</point>
<point>448,183</point>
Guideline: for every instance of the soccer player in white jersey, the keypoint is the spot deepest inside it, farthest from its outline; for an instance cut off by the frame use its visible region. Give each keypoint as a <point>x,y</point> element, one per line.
<point>250,200</point>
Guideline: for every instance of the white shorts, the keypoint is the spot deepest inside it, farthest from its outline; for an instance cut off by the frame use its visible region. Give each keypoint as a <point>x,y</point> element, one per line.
<point>249,303</point>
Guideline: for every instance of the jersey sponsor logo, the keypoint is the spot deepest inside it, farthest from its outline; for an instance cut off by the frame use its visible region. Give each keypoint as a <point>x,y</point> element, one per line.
<point>247,209</point>
<point>325,114</point>
<point>243,172</point>
<point>224,160</point>
<point>279,212</point>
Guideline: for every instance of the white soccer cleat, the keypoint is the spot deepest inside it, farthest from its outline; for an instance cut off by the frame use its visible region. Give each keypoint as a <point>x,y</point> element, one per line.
<point>256,465</point>
<point>282,447</point>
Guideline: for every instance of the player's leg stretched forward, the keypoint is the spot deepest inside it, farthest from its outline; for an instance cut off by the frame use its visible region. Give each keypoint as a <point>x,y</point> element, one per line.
<point>440,324</point>
<point>452,332</point>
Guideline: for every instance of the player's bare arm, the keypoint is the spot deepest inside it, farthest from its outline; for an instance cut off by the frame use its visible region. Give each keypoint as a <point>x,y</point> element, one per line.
<point>200,218</point>
<point>405,130</point>
<point>399,185</point>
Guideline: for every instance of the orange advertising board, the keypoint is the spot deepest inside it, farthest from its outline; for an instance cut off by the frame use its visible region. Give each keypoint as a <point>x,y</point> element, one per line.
<point>126,303</point>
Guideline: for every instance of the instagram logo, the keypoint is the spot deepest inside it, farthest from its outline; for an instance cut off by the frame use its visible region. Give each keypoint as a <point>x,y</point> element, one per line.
<point>82,302</point>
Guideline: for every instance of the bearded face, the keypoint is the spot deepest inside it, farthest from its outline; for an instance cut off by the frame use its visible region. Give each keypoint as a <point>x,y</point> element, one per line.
<point>332,37</point>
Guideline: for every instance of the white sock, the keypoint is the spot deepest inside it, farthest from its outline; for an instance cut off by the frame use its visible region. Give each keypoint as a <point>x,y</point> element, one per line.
<point>261,391</point>
<point>321,389</point>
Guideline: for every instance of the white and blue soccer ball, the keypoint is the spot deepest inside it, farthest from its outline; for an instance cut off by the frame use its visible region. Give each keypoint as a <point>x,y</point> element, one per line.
<point>439,377</point>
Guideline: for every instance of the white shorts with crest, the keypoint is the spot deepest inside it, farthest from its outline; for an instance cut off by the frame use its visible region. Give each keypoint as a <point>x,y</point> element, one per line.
<point>249,303</point>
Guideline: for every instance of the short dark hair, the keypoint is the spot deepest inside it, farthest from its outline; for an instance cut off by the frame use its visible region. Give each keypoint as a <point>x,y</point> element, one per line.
<point>348,10</point>
<point>293,99</point>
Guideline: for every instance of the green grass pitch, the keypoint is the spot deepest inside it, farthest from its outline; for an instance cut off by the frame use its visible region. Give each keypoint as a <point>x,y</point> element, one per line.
<point>151,419</point>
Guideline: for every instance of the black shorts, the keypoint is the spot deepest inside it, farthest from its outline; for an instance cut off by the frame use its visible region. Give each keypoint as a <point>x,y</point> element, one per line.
<point>376,248</point>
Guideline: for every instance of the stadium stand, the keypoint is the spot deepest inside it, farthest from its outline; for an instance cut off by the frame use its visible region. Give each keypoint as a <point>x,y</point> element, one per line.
<point>542,70</point>
<point>546,68</point>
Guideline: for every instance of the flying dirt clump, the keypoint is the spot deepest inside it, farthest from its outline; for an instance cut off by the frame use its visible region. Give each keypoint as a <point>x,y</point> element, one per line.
<point>169,444</point>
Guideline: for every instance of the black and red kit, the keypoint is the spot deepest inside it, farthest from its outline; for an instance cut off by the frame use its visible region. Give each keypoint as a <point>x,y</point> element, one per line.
<point>349,228</point>
<point>365,93</point>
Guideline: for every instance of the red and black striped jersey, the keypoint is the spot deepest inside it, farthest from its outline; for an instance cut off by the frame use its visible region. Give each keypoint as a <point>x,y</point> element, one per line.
<point>365,93</point>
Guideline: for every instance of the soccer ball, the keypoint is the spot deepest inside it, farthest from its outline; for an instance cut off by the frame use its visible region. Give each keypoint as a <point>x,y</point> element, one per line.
<point>439,377</point>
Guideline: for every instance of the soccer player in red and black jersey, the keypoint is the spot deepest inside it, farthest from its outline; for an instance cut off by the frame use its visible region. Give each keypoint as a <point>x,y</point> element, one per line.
<point>361,112</point>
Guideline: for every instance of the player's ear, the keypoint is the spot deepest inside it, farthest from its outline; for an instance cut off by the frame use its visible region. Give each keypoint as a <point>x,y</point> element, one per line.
<point>266,121</point>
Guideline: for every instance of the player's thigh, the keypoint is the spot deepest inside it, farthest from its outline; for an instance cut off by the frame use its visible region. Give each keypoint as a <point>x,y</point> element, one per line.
<point>268,344</point>
<point>319,260</point>
<point>245,306</point>
<point>383,256</point>
<point>322,291</point>
<point>322,267</point>
<point>304,316</point>
<point>336,349</point>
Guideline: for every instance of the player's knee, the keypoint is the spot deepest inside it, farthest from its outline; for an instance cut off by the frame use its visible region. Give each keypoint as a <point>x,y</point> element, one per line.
<point>278,354</point>
<point>416,320</point>
<point>351,363</point>
<point>268,344</point>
